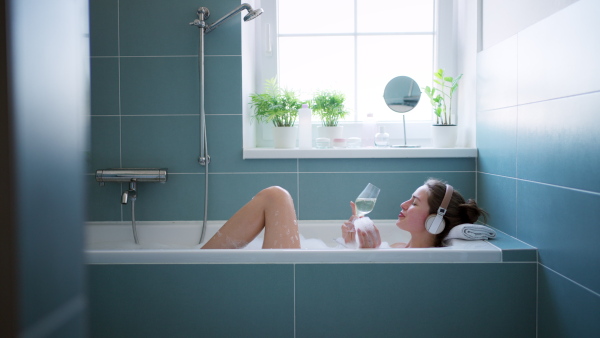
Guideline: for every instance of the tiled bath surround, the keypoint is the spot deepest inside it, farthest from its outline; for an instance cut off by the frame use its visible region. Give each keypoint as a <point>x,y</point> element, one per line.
<point>538,160</point>
<point>145,113</point>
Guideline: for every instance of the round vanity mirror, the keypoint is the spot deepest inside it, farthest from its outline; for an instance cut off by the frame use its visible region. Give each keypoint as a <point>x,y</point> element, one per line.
<point>401,95</point>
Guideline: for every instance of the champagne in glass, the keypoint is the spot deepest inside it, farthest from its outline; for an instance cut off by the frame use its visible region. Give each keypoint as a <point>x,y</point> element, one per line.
<point>365,202</point>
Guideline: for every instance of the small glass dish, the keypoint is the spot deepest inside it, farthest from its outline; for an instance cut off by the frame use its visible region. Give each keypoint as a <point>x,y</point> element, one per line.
<point>322,143</point>
<point>353,142</point>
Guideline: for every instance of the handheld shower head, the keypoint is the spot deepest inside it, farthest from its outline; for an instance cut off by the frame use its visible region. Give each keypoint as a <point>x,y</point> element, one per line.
<point>253,13</point>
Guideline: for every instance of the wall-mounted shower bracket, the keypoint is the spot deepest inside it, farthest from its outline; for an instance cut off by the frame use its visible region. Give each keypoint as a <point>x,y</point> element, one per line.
<point>204,160</point>
<point>203,14</point>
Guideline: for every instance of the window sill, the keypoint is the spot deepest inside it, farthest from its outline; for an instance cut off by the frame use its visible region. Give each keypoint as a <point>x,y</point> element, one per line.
<point>424,152</point>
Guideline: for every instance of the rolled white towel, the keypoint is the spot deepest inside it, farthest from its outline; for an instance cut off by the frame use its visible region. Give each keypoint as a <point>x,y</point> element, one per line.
<point>470,232</point>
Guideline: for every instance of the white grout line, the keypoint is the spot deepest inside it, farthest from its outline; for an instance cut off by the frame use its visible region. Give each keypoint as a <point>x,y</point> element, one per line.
<point>119,97</point>
<point>572,281</point>
<point>543,183</point>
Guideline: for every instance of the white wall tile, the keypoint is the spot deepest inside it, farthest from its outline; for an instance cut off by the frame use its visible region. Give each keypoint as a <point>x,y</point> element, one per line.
<point>558,56</point>
<point>497,76</point>
<point>505,18</point>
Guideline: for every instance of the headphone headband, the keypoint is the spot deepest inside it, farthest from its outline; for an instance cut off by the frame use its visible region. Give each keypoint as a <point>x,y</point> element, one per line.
<point>447,198</point>
<point>435,223</point>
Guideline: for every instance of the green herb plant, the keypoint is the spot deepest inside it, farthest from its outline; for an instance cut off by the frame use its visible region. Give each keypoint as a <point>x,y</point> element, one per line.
<point>276,105</point>
<point>440,96</point>
<point>329,105</point>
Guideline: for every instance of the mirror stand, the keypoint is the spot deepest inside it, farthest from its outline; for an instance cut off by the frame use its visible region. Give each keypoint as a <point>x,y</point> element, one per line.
<point>402,95</point>
<point>405,145</point>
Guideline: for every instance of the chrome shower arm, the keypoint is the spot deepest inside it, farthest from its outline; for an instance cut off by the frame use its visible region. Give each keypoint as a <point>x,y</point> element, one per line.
<point>228,16</point>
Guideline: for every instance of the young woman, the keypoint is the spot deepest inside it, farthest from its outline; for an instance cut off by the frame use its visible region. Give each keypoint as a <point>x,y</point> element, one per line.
<point>272,209</point>
<point>423,204</point>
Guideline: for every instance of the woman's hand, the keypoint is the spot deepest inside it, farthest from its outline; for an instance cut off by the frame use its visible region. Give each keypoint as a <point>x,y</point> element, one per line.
<point>368,238</point>
<point>348,231</point>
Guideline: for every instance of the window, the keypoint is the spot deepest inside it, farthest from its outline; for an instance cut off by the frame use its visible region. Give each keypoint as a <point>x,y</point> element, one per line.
<point>352,46</point>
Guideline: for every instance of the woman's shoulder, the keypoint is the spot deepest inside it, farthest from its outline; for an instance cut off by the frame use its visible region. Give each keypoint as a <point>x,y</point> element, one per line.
<point>399,245</point>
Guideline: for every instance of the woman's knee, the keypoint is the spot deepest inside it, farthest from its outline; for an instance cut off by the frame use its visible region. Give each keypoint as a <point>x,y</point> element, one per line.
<point>275,193</point>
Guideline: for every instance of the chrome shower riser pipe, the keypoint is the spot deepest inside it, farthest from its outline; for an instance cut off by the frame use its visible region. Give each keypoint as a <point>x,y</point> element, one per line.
<point>204,158</point>
<point>203,14</point>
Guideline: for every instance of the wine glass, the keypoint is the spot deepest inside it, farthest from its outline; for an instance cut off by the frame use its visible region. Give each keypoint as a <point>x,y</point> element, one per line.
<point>365,202</point>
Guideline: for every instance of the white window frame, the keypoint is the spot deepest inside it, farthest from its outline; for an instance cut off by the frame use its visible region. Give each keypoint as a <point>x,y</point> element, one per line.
<point>263,65</point>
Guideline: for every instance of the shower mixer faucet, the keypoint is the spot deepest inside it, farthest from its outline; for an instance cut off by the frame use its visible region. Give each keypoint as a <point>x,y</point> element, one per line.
<point>131,176</point>
<point>131,193</point>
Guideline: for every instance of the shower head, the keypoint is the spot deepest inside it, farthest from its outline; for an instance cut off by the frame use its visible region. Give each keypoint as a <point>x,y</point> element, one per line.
<point>253,13</point>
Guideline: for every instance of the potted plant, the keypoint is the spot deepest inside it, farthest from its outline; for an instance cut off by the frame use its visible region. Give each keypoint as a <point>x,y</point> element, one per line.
<point>280,107</point>
<point>440,95</point>
<point>329,106</point>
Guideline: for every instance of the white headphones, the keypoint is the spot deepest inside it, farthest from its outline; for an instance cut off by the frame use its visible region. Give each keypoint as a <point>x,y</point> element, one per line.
<point>435,223</point>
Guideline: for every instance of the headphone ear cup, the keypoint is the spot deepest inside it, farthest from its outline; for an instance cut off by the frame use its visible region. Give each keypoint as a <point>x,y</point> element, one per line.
<point>430,224</point>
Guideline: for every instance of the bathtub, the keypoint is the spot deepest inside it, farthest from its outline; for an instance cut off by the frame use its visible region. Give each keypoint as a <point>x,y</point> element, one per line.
<point>176,243</point>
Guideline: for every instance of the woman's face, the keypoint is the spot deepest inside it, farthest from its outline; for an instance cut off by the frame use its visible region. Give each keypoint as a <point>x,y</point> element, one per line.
<point>414,211</point>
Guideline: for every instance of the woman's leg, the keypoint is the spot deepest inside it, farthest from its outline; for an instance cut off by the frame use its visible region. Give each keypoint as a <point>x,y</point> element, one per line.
<point>271,209</point>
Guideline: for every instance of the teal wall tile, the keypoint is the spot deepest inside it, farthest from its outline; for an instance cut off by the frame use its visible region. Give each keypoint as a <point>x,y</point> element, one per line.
<point>498,196</point>
<point>565,245</point>
<point>104,86</point>
<point>226,153</point>
<point>181,198</point>
<point>225,142</point>
<point>161,142</point>
<point>514,250</point>
<point>387,164</point>
<point>103,202</point>
<point>223,92</point>
<point>391,300</point>
<point>157,27</point>
<point>188,300</point>
<point>105,145</point>
<point>159,86</point>
<point>566,309</point>
<point>229,192</point>
<point>104,27</point>
<point>227,38</point>
<point>327,195</point>
<point>497,142</point>
<point>568,154</point>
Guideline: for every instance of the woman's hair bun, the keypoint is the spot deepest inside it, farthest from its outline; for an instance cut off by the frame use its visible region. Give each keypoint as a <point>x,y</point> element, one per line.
<point>470,212</point>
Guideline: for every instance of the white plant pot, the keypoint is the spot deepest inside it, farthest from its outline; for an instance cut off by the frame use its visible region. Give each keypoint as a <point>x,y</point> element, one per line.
<point>285,137</point>
<point>444,136</point>
<point>331,132</point>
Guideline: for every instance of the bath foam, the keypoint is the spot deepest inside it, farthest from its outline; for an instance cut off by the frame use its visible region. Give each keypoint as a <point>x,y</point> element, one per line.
<point>364,224</point>
<point>305,244</point>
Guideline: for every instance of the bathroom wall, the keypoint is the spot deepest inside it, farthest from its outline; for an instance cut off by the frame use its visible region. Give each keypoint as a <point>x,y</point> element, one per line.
<point>538,159</point>
<point>145,114</point>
